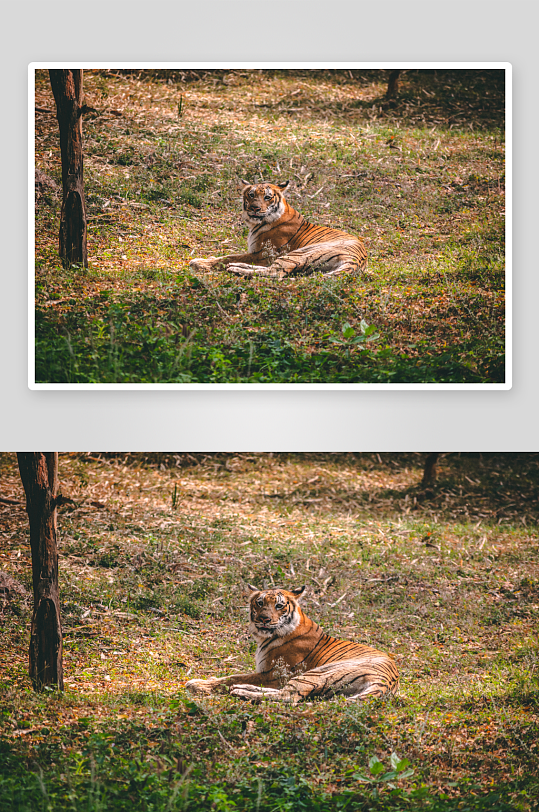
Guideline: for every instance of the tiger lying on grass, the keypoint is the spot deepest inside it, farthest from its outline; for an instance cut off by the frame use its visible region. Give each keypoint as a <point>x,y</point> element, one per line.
<point>282,243</point>
<point>321,666</point>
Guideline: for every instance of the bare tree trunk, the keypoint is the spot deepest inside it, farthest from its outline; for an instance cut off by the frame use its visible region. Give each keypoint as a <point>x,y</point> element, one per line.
<point>430,472</point>
<point>39,474</point>
<point>67,89</point>
<point>393,84</point>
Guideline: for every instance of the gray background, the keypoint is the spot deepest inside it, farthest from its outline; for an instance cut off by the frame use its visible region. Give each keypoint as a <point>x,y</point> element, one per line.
<point>268,420</point>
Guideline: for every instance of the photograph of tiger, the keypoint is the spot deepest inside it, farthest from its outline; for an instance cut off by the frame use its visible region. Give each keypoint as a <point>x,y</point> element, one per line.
<point>290,644</point>
<point>338,226</point>
<point>284,632</point>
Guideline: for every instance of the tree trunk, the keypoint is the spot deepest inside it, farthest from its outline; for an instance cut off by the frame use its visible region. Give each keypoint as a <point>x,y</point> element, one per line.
<point>67,89</point>
<point>39,474</point>
<point>430,472</point>
<point>393,84</point>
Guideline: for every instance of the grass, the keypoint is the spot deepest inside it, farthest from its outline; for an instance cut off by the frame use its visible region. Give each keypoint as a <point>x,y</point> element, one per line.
<point>152,555</point>
<point>422,181</point>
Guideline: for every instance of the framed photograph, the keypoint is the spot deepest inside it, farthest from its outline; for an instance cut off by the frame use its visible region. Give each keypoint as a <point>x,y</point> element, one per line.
<point>320,226</point>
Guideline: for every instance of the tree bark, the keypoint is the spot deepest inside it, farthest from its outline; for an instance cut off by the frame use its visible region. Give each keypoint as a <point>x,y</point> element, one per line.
<point>67,89</point>
<point>39,474</point>
<point>430,472</point>
<point>393,84</point>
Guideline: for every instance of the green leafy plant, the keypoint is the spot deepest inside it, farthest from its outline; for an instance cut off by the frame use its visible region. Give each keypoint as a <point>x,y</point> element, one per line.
<point>400,769</point>
<point>349,338</point>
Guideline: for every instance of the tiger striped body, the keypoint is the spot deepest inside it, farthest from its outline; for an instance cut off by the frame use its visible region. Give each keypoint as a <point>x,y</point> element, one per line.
<point>312,663</point>
<point>283,243</point>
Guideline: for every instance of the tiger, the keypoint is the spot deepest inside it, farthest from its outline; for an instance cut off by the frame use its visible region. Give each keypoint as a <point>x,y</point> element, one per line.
<point>282,243</point>
<point>293,645</point>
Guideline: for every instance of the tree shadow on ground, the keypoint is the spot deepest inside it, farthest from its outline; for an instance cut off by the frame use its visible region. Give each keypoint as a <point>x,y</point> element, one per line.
<point>493,487</point>
<point>439,97</point>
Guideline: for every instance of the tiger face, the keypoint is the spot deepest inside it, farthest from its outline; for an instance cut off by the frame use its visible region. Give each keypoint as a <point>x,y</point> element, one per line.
<point>274,612</point>
<point>263,203</point>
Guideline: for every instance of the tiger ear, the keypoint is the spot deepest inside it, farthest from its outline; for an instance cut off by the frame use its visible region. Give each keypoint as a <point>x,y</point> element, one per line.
<point>249,589</point>
<point>242,185</point>
<point>283,186</point>
<point>298,592</point>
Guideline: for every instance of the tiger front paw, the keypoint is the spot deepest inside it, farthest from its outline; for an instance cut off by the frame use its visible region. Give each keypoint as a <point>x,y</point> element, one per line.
<point>203,265</point>
<point>251,692</point>
<point>255,693</point>
<point>241,269</point>
<point>201,686</point>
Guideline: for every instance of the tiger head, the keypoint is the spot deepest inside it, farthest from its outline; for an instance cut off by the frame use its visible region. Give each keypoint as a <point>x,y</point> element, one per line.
<point>274,612</point>
<point>263,203</point>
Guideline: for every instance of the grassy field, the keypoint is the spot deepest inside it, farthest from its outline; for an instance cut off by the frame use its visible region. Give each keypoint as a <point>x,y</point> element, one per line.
<point>421,179</point>
<point>153,555</point>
